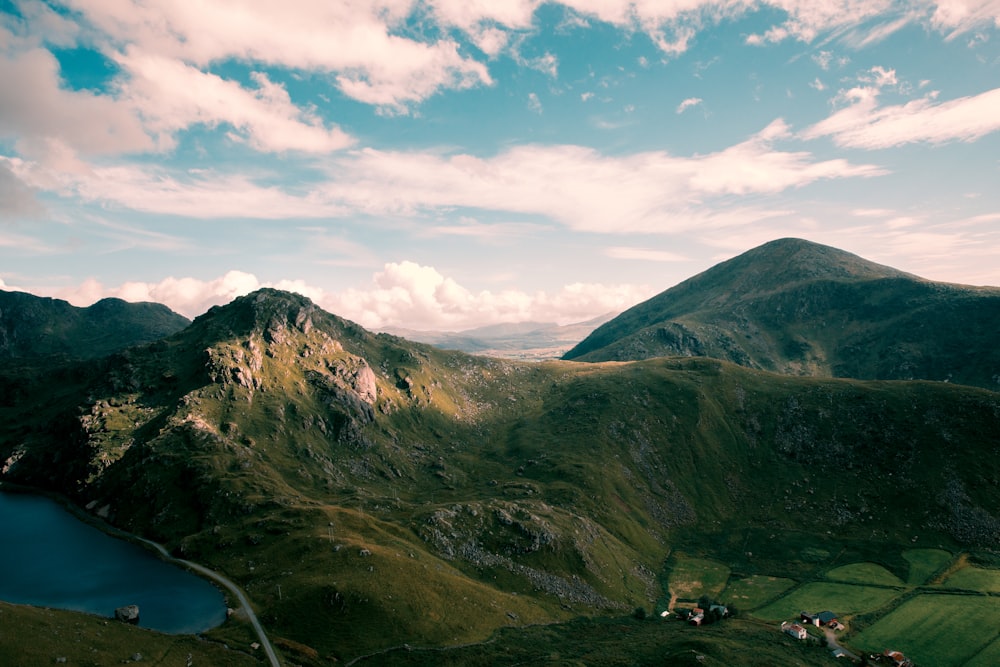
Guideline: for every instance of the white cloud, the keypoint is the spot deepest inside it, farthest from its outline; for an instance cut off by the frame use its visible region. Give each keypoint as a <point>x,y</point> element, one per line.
<point>403,294</point>
<point>37,112</point>
<point>409,295</point>
<point>959,16</point>
<point>865,124</point>
<point>534,103</point>
<point>575,186</point>
<point>17,199</point>
<point>644,254</point>
<point>172,96</point>
<point>194,194</point>
<point>688,103</point>
<point>357,41</point>
<point>582,189</point>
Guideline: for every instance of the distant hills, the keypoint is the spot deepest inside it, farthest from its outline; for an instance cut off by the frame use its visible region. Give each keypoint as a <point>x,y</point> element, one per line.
<point>800,308</point>
<point>33,327</point>
<point>522,340</point>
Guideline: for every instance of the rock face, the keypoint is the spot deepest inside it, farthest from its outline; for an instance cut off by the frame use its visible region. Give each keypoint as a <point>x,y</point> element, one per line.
<point>128,614</point>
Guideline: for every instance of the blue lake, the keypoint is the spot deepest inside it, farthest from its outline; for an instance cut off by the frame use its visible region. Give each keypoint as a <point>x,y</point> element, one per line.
<point>50,558</point>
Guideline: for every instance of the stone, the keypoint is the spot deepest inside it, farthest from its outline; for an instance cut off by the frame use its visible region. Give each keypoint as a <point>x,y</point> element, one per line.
<point>128,614</point>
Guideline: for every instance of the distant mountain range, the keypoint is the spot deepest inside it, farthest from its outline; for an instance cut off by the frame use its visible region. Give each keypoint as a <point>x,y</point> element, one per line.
<point>522,340</point>
<point>33,327</point>
<point>800,308</point>
<point>372,492</point>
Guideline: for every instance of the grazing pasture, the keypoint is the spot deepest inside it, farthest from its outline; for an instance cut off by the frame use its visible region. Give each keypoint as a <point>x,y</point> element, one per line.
<point>819,596</point>
<point>755,590</point>
<point>690,578</point>
<point>937,629</point>
<point>974,579</point>
<point>864,573</point>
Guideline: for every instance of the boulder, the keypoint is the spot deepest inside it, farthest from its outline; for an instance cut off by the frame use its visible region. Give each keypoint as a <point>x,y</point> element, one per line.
<point>128,614</point>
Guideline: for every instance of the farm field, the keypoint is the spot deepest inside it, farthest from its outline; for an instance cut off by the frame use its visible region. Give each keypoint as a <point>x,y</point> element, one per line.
<point>988,657</point>
<point>819,596</point>
<point>937,629</point>
<point>924,563</point>
<point>690,578</point>
<point>974,579</point>
<point>754,591</point>
<point>864,573</point>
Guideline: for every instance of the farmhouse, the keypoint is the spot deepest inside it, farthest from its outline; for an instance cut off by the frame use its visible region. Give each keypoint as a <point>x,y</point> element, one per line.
<point>795,630</point>
<point>897,658</point>
<point>824,618</point>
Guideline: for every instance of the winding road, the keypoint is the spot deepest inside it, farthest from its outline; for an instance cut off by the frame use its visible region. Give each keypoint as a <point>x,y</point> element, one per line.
<point>230,586</point>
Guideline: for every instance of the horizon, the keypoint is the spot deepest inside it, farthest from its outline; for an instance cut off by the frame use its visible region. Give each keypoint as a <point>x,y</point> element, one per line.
<point>444,166</point>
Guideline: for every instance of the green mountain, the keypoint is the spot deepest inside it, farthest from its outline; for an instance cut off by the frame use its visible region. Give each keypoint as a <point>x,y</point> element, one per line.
<point>33,327</point>
<point>800,308</point>
<point>369,492</point>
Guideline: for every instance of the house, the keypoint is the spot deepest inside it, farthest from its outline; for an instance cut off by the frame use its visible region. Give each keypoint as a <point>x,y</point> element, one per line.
<point>721,609</point>
<point>897,658</point>
<point>826,618</point>
<point>795,630</point>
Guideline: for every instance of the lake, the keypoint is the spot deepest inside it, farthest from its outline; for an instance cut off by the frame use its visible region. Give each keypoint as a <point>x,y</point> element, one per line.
<point>50,558</point>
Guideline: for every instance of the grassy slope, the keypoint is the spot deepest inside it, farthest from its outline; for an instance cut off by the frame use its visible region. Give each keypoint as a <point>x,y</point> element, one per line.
<point>37,636</point>
<point>477,494</point>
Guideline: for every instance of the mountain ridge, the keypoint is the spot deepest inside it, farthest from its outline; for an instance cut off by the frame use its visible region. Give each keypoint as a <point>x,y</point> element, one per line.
<point>34,327</point>
<point>801,308</point>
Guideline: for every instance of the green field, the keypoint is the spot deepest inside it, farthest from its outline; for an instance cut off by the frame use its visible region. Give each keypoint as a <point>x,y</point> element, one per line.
<point>756,590</point>
<point>941,630</point>
<point>975,579</point>
<point>988,657</point>
<point>690,578</point>
<point>864,573</point>
<point>839,598</point>
<point>924,563</point>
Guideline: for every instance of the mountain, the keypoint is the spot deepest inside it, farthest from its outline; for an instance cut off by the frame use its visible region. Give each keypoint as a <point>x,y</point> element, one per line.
<point>521,340</point>
<point>800,308</point>
<point>369,492</point>
<point>33,327</point>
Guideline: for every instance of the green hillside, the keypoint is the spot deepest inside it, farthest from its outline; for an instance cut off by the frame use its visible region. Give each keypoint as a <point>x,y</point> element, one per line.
<point>368,492</point>
<point>800,308</point>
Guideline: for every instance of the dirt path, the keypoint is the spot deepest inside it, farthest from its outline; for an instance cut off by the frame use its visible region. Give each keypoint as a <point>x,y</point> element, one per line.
<point>230,586</point>
<point>831,641</point>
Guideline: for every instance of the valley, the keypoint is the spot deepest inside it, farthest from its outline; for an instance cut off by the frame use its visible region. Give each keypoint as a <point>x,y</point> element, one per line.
<point>382,501</point>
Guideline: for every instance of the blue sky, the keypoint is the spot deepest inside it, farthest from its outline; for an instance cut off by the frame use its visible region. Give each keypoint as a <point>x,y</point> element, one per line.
<point>452,163</point>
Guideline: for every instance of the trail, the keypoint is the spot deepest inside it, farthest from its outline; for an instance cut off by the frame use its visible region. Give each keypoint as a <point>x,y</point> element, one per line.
<point>230,586</point>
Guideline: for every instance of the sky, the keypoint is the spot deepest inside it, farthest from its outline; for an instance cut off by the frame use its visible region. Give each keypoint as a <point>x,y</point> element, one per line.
<point>447,164</point>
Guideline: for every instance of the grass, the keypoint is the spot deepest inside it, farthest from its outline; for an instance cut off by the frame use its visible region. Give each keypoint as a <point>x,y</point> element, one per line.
<point>934,629</point>
<point>864,573</point>
<point>691,578</point>
<point>924,563</point>
<point>989,656</point>
<point>40,636</point>
<point>616,642</point>
<point>755,590</point>
<point>840,598</point>
<point>974,579</point>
